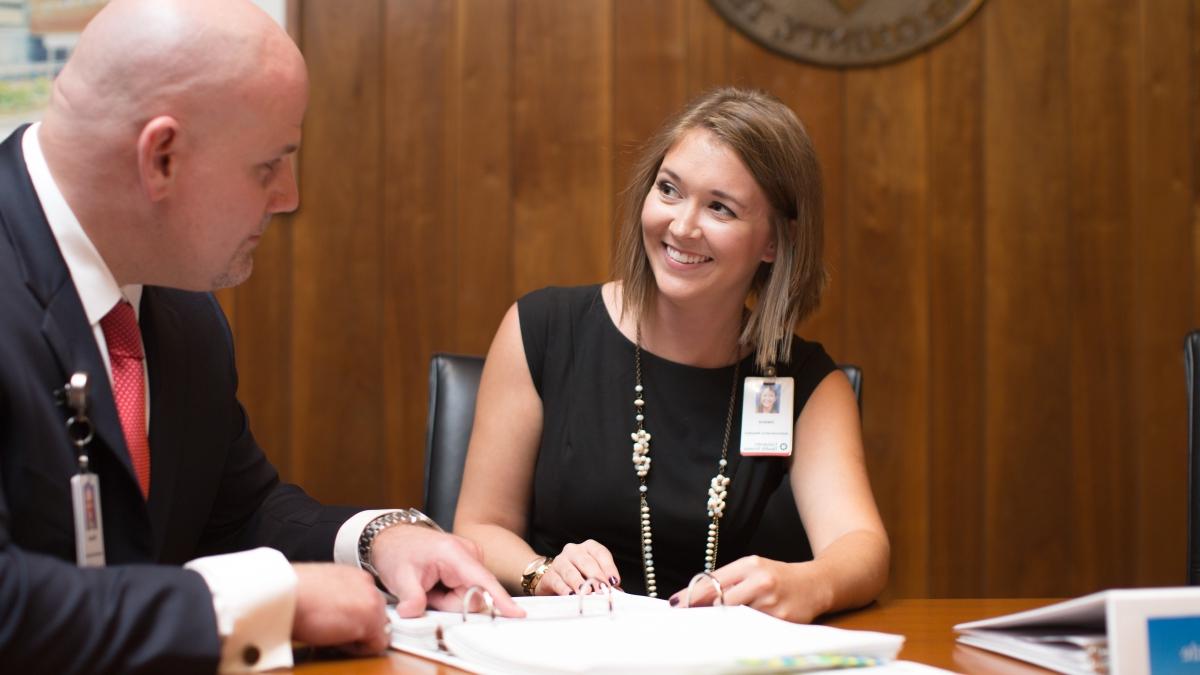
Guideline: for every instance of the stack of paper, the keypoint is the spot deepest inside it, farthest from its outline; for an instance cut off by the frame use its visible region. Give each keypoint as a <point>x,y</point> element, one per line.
<point>639,635</point>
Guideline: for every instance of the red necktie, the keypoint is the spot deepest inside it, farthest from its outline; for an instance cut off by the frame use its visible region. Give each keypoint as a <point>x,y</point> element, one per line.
<point>129,385</point>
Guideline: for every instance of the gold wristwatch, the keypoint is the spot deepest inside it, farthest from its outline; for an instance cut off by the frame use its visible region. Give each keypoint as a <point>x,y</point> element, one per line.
<point>533,573</point>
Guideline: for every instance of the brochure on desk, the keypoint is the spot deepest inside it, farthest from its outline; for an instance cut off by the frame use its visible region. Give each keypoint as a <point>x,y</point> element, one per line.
<point>1147,630</point>
<point>641,635</point>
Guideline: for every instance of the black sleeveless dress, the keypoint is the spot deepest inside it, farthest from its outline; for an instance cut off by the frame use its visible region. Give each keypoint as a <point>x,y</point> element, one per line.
<point>584,484</point>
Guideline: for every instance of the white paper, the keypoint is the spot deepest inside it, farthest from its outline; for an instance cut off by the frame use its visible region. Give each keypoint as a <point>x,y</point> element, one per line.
<point>641,635</point>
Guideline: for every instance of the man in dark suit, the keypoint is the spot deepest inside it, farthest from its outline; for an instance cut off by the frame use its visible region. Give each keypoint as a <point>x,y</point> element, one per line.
<point>166,148</point>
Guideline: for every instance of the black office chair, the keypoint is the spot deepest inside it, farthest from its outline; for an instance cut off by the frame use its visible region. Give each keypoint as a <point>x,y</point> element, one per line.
<point>1191,359</point>
<point>453,386</point>
<point>780,534</point>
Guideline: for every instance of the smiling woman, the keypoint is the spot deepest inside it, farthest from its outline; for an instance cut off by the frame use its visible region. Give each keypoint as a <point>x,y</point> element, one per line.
<point>719,258</point>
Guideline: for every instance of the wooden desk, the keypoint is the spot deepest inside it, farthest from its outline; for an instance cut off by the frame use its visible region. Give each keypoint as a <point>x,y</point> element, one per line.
<point>926,623</point>
<point>928,626</point>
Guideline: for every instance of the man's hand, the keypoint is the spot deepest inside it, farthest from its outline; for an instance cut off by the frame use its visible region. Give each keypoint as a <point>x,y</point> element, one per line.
<point>339,606</point>
<point>423,567</point>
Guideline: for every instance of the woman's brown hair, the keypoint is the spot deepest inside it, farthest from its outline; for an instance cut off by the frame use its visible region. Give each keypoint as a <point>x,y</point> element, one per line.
<point>776,149</point>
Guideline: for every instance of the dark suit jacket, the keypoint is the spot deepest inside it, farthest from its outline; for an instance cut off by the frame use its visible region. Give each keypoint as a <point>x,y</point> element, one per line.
<point>212,489</point>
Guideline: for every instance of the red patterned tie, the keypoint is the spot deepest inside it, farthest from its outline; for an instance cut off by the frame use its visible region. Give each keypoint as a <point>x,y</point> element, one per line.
<point>129,385</point>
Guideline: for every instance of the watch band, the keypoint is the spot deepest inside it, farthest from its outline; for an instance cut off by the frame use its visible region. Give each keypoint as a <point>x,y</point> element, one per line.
<point>390,519</point>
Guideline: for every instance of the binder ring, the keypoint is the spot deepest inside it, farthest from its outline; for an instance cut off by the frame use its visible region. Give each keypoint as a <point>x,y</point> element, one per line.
<point>719,601</point>
<point>593,583</point>
<point>488,602</point>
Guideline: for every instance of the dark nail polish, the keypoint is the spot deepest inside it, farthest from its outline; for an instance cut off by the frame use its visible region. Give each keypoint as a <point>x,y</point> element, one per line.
<point>612,581</point>
<point>674,601</point>
<point>571,593</point>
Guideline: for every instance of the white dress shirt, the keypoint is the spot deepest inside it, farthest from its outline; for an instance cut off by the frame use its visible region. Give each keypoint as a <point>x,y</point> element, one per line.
<point>253,591</point>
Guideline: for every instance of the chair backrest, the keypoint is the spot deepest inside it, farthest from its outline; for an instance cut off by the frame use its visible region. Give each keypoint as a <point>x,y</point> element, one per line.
<point>1191,362</point>
<point>854,374</point>
<point>453,386</point>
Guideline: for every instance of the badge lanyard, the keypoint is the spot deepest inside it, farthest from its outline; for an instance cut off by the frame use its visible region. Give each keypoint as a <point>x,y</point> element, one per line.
<point>85,485</point>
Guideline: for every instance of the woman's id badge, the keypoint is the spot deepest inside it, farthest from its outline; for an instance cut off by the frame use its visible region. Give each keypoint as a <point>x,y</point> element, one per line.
<point>767,416</point>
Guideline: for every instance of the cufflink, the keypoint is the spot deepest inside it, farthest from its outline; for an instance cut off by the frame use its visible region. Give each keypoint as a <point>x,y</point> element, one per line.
<point>251,655</point>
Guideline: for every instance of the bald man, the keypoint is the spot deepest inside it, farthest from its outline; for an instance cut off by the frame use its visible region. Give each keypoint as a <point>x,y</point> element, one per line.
<point>168,543</point>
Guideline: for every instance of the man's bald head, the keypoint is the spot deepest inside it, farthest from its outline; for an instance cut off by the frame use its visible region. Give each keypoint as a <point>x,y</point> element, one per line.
<point>142,58</point>
<point>170,133</point>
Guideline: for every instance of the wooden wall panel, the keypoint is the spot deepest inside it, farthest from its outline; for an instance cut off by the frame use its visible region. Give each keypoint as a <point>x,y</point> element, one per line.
<point>418,256</point>
<point>1027,316</point>
<point>336,396</point>
<point>886,261</point>
<point>484,176</point>
<point>562,181</point>
<point>263,336</point>
<point>708,48</point>
<point>956,428</point>
<point>1163,261</point>
<point>1194,85</point>
<point>1011,232</point>
<point>1101,94</point>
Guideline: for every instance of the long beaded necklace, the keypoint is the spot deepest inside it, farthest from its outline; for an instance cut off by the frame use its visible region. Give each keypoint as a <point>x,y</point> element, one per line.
<point>717,488</point>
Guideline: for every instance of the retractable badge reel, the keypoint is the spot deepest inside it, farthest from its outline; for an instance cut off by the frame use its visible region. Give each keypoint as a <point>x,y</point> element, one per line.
<point>85,485</point>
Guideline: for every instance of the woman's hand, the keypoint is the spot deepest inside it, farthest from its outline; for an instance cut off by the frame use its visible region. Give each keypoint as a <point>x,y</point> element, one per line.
<point>576,564</point>
<point>789,591</point>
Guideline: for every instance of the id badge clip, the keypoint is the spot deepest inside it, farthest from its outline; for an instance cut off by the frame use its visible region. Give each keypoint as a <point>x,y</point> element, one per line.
<point>85,485</point>
<point>767,425</point>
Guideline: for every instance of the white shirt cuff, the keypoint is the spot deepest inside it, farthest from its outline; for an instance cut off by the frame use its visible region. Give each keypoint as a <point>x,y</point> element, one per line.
<point>254,596</point>
<point>345,546</point>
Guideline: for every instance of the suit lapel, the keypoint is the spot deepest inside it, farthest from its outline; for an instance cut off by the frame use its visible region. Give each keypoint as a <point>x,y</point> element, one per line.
<point>64,324</point>
<point>70,337</point>
<point>168,360</point>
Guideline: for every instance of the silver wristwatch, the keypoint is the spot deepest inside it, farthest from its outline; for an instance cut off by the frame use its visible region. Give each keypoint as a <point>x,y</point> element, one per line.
<point>390,519</point>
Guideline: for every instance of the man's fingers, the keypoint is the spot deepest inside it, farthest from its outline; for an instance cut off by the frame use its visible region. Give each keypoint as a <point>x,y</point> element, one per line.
<point>451,600</point>
<point>429,560</point>
<point>374,643</point>
<point>505,605</point>
<point>410,594</point>
<point>338,606</point>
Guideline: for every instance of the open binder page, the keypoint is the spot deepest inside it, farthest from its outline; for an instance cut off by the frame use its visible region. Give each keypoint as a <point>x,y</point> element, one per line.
<point>424,632</point>
<point>1128,630</point>
<point>1086,611</point>
<point>639,635</point>
<point>699,640</point>
<point>1068,637</point>
<point>423,635</point>
<point>1074,654</point>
